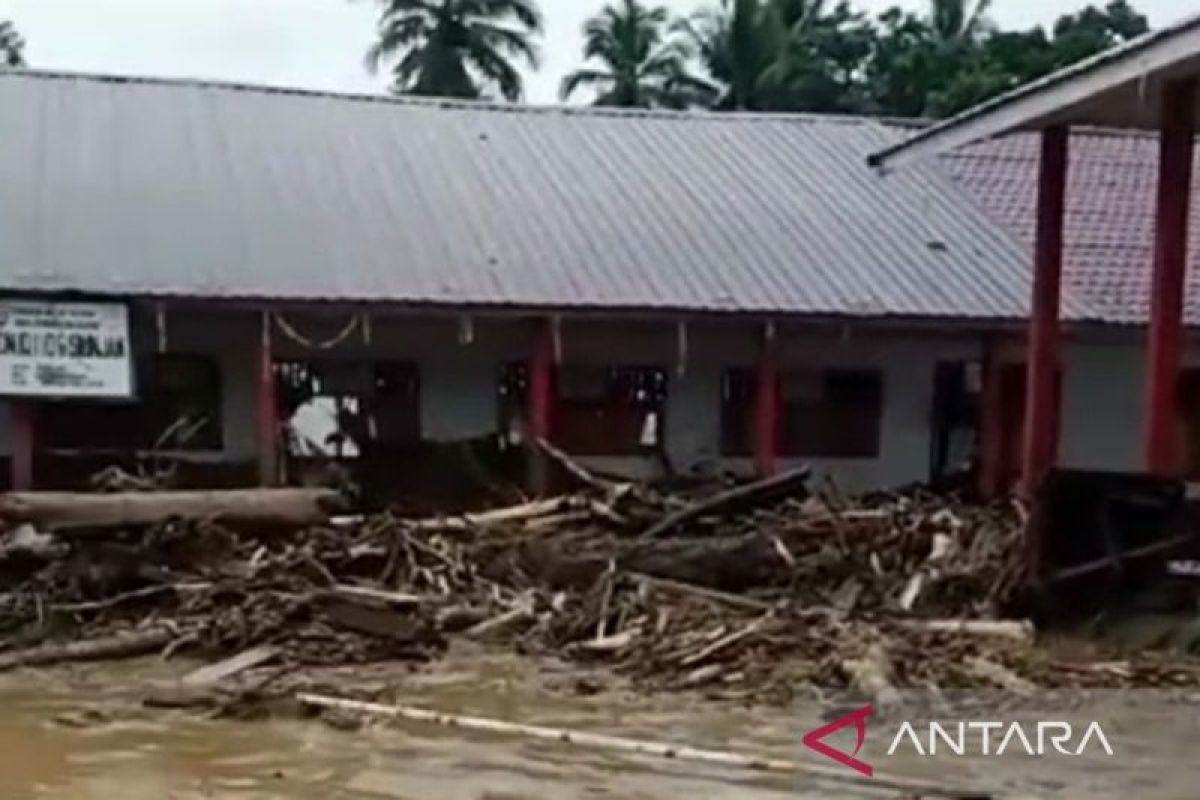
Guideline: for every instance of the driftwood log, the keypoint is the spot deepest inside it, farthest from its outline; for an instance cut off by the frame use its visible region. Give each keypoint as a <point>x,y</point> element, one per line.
<point>121,645</point>
<point>69,511</point>
<point>729,563</point>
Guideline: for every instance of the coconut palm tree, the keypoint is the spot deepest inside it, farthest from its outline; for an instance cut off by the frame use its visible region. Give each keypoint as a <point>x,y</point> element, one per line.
<point>11,45</point>
<point>457,48</point>
<point>641,65</point>
<point>735,43</point>
<point>781,55</point>
<point>958,21</point>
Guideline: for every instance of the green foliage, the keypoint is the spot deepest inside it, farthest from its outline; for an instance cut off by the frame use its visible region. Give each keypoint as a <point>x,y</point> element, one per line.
<point>811,55</point>
<point>781,55</point>
<point>11,46</point>
<point>640,64</point>
<point>756,55</point>
<point>457,48</point>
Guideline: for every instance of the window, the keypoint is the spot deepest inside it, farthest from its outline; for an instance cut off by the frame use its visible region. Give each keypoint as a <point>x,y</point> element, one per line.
<point>598,411</point>
<point>609,411</point>
<point>738,392</point>
<point>178,407</point>
<point>830,413</point>
<point>343,409</point>
<point>833,413</point>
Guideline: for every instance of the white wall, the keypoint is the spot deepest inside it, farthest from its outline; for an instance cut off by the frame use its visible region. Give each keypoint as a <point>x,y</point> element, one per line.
<point>1102,382</point>
<point>1102,401</point>
<point>1102,404</point>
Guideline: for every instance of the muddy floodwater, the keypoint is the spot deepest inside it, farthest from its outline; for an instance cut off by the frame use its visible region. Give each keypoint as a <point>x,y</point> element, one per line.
<point>81,734</point>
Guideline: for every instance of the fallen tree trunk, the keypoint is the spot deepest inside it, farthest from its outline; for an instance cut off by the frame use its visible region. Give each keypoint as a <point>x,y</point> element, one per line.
<point>120,645</point>
<point>728,563</point>
<point>733,500</point>
<point>74,510</point>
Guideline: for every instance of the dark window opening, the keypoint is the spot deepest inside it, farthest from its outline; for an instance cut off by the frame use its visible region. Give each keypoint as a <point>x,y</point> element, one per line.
<point>610,411</point>
<point>957,387</point>
<point>512,395</point>
<point>738,392</point>
<point>1188,412</point>
<point>830,413</point>
<point>178,407</point>
<point>346,410</point>
<point>598,410</point>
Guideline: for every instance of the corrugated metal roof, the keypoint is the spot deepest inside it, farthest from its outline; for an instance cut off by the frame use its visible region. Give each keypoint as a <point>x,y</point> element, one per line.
<point>142,187</point>
<point>1109,235</point>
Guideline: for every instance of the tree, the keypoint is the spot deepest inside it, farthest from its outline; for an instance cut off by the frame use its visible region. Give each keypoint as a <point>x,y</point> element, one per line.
<point>958,22</point>
<point>951,57</point>
<point>641,67</point>
<point>11,46</point>
<point>1093,30</point>
<point>781,55</point>
<point>457,48</point>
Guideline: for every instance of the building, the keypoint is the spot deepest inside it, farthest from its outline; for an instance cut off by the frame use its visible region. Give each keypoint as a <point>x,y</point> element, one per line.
<point>649,290</point>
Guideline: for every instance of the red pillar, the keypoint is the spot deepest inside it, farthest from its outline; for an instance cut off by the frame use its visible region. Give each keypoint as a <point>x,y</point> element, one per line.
<point>268,410</point>
<point>541,403</point>
<point>766,408</point>
<point>1040,436</point>
<point>991,422</point>
<point>21,412</point>
<point>1170,267</point>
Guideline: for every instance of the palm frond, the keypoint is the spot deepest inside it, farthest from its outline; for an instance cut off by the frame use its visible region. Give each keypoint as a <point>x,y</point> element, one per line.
<point>498,37</point>
<point>583,77</point>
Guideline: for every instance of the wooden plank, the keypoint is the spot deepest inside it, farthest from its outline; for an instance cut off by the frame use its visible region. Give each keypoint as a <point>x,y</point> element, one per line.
<point>227,668</point>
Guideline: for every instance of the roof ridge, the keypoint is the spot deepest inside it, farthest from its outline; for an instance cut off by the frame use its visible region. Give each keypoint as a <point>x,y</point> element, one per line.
<point>449,103</point>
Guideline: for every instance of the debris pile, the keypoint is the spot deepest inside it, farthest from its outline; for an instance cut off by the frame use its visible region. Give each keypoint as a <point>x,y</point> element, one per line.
<point>755,591</point>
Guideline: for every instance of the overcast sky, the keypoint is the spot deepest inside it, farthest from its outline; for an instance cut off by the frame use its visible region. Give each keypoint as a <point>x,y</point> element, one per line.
<point>319,43</point>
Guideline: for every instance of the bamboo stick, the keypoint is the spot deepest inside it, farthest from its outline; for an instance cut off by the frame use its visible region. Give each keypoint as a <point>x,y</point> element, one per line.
<point>601,741</point>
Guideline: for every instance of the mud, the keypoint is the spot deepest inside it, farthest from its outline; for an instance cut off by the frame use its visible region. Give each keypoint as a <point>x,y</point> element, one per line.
<point>80,734</point>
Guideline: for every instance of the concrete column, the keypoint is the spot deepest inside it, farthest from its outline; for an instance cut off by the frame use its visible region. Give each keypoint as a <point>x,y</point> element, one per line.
<point>766,406</point>
<point>1170,266</point>
<point>1040,435</point>
<point>540,403</point>
<point>268,409</point>
<point>991,423</point>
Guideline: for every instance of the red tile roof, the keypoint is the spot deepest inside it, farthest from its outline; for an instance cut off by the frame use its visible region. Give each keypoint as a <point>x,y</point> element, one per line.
<point>1110,213</point>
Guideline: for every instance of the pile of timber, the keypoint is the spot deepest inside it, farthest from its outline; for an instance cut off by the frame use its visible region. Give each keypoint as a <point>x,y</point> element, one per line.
<point>752,591</point>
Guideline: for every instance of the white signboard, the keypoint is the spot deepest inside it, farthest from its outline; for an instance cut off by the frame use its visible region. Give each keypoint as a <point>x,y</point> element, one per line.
<point>50,349</point>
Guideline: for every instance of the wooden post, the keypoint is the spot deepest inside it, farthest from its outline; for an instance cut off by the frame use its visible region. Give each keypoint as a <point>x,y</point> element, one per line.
<point>540,404</point>
<point>991,422</point>
<point>1040,436</point>
<point>268,410</point>
<point>21,423</point>
<point>1167,284</point>
<point>766,406</point>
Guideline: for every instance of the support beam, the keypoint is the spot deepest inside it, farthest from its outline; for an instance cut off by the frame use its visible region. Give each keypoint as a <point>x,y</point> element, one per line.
<point>21,424</point>
<point>1040,436</point>
<point>766,406</point>
<point>540,403</point>
<point>268,410</point>
<point>1167,285</point>
<point>991,422</point>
